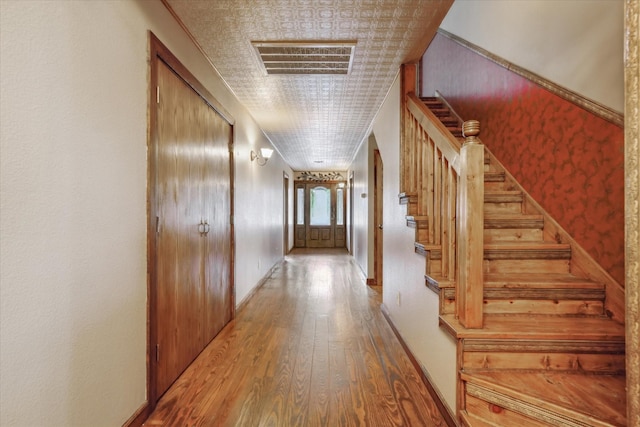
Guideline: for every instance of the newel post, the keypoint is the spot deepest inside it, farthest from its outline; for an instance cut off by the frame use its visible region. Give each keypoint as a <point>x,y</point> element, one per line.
<point>469,290</point>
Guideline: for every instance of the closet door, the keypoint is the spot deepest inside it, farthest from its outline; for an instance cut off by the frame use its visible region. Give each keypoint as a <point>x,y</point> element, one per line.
<point>179,228</point>
<point>190,220</point>
<point>216,197</point>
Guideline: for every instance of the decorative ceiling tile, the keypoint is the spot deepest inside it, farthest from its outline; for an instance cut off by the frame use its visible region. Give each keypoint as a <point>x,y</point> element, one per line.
<point>312,117</point>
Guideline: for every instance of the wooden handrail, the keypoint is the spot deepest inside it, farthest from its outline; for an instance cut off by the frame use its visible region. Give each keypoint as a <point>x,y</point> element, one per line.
<point>448,179</point>
<point>442,138</point>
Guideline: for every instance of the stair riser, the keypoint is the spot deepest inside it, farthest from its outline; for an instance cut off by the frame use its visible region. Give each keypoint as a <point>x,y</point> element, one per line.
<point>551,307</point>
<point>497,415</point>
<point>508,266</point>
<point>567,362</point>
<point>497,186</point>
<point>502,208</point>
<point>543,307</point>
<point>512,235</point>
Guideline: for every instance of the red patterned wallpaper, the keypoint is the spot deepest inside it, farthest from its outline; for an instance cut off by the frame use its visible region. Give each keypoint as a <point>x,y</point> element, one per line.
<point>569,160</point>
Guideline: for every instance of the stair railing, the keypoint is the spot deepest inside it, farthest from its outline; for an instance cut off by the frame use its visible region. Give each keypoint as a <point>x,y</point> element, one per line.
<point>448,179</point>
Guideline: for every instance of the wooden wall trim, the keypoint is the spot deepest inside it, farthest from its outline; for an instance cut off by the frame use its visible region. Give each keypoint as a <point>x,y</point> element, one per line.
<point>632,208</point>
<point>139,417</point>
<point>444,409</point>
<point>591,106</point>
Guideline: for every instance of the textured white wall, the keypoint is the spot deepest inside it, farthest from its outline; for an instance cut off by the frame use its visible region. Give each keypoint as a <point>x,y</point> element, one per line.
<point>577,44</point>
<point>73,109</point>
<point>416,316</point>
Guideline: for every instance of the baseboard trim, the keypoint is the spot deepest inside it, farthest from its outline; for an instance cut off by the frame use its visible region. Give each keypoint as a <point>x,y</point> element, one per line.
<point>261,282</point>
<point>447,414</point>
<point>138,417</point>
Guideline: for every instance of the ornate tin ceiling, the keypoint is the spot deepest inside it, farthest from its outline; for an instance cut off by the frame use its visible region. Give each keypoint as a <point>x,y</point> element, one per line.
<point>316,120</point>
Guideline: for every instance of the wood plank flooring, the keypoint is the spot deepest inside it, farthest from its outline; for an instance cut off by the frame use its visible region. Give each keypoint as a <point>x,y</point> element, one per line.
<point>310,348</point>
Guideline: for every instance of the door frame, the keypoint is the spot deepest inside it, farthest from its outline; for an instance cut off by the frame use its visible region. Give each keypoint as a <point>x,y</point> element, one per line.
<point>377,217</point>
<point>285,213</point>
<point>159,52</point>
<point>301,231</point>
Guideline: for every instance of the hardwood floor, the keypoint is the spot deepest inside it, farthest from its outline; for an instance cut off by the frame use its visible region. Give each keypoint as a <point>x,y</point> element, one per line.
<point>311,348</point>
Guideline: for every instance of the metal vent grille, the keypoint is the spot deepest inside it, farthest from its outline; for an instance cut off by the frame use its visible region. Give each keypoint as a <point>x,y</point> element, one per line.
<point>305,57</point>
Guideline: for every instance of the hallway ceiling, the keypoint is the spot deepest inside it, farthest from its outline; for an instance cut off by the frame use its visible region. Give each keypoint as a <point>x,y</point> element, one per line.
<point>315,121</point>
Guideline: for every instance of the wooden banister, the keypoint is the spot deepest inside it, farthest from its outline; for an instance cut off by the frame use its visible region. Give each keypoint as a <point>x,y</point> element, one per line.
<point>448,179</point>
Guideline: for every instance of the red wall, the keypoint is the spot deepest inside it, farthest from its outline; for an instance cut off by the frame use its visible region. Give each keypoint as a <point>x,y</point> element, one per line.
<point>569,160</point>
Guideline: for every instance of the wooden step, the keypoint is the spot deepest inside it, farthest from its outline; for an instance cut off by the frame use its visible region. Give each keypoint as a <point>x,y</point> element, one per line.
<point>406,198</point>
<point>417,221</point>
<point>594,357</point>
<point>494,176</point>
<point>545,398</point>
<point>513,227</point>
<point>526,250</point>
<point>538,287</point>
<point>513,221</point>
<point>410,200</point>
<point>440,112</point>
<point>538,327</point>
<point>501,202</point>
<point>421,224</point>
<point>526,257</point>
<point>430,251</point>
<point>559,294</point>
<point>470,420</point>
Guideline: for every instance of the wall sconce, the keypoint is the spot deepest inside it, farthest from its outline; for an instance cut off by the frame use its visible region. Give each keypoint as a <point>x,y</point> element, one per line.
<point>262,157</point>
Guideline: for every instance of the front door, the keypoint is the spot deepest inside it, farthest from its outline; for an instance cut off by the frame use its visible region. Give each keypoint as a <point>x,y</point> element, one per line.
<point>320,215</point>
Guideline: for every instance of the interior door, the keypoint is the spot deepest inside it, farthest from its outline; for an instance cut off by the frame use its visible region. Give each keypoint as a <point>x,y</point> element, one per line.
<point>178,242</point>
<point>216,199</point>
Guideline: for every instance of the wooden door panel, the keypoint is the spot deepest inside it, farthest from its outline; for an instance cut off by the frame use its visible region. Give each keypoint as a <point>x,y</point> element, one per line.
<point>177,241</point>
<point>217,201</point>
<point>320,236</point>
<point>193,242</point>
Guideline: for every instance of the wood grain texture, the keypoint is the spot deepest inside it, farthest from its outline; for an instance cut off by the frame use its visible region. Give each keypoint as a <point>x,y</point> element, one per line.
<point>311,347</point>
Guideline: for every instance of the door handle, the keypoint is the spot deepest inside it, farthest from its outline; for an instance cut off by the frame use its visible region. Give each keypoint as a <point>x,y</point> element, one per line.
<point>380,226</point>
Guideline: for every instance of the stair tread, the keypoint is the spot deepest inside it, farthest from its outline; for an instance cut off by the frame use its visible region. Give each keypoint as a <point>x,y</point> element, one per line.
<point>581,397</point>
<point>525,245</point>
<point>542,280</point>
<point>528,326</point>
<point>494,221</point>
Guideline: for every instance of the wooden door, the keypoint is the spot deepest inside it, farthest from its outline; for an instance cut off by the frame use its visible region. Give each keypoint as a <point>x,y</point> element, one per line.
<point>320,216</point>
<point>191,207</point>
<point>339,216</point>
<point>217,210</point>
<point>178,242</point>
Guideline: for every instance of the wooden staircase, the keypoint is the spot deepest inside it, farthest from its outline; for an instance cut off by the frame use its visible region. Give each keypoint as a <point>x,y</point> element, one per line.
<point>551,347</point>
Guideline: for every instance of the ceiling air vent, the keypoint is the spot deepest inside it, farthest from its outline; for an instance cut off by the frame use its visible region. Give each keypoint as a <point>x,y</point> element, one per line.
<point>306,57</point>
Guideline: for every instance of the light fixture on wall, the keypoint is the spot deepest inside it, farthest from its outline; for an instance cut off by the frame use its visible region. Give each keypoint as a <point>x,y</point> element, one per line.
<point>262,157</point>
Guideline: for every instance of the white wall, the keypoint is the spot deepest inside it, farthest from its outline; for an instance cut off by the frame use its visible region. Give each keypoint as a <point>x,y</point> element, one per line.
<point>416,316</point>
<point>585,38</point>
<point>73,112</point>
<point>360,168</point>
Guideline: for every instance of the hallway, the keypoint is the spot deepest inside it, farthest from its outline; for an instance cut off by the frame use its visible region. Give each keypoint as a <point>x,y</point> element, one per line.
<point>310,348</point>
